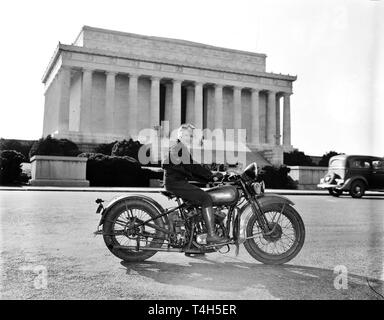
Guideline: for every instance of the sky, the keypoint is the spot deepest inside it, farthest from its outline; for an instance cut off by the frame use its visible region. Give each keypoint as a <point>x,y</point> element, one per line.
<point>336,49</point>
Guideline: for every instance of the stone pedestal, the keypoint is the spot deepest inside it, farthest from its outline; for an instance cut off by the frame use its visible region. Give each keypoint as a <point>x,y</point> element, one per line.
<point>59,171</point>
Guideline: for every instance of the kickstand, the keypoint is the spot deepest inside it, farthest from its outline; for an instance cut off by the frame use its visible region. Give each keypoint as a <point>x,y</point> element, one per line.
<point>98,231</point>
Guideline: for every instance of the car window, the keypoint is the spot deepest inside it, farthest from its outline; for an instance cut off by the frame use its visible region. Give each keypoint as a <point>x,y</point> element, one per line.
<point>378,164</point>
<point>360,164</point>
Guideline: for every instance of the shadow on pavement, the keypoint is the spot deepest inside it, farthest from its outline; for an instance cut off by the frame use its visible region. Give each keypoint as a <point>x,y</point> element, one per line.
<point>242,279</point>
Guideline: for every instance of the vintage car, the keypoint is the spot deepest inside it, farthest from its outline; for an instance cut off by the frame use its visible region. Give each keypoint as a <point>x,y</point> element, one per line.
<point>354,174</point>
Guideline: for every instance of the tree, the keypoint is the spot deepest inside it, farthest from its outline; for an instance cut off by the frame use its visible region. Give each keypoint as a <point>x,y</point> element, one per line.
<point>10,167</point>
<point>12,144</point>
<point>297,158</point>
<point>325,158</point>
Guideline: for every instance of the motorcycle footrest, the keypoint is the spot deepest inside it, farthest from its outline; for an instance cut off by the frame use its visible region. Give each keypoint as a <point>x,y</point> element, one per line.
<point>98,232</point>
<point>216,245</point>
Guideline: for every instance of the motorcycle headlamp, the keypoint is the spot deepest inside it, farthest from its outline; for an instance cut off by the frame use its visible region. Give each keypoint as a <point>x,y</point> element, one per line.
<point>258,187</point>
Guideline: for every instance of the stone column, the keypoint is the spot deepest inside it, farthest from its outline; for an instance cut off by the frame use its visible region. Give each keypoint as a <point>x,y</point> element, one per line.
<point>189,112</point>
<point>218,106</point>
<point>278,131</point>
<point>168,109</point>
<point>287,120</point>
<point>110,102</point>
<point>64,96</point>
<point>271,118</point>
<point>132,107</point>
<point>155,102</point>
<point>176,105</point>
<point>198,105</point>
<point>255,114</point>
<point>86,102</point>
<point>237,108</point>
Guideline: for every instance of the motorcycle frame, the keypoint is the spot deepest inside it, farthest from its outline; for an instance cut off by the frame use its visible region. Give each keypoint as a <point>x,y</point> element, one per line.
<point>232,223</point>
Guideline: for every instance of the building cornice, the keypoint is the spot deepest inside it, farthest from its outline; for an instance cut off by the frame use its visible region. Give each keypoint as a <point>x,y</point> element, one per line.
<point>172,40</point>
<point>52,62</point>
<point>106,53</point>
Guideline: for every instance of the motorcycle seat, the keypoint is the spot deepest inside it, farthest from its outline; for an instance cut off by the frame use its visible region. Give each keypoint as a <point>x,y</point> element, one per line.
<point>168,194</point>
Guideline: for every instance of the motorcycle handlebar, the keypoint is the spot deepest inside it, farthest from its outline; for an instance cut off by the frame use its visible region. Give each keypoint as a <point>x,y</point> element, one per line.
<point>227,177</point>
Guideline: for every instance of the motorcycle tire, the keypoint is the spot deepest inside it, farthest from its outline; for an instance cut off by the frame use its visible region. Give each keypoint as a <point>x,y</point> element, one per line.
<point>270,258</point>
<point>109,227</point>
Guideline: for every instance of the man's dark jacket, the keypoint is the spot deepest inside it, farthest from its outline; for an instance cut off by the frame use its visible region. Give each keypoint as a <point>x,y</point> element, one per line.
<point>179,166</point>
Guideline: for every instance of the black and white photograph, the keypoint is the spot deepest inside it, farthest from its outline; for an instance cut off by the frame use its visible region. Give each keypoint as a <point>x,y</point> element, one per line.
<point>211,152</point>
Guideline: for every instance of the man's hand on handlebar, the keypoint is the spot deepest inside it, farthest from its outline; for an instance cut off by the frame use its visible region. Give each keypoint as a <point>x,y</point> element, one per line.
<point>217,176</point>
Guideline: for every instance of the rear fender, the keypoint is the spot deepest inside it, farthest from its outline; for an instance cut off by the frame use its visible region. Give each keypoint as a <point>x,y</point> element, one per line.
<point>147,199</point>
<point>347,184</point>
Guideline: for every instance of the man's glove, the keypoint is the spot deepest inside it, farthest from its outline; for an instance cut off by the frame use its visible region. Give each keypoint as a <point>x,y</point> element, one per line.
<point>217,176</point>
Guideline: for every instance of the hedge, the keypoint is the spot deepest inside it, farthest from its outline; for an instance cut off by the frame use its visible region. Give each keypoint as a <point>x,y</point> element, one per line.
<point>10,167</point>
<point>114,171</point>
<point>276,177</point>
<point>54,147</point>
<point>126,148</point>
<point>298,158</point>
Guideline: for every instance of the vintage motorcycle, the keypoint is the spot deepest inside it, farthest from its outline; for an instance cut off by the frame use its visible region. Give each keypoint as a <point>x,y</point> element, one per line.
<point>135,227</point>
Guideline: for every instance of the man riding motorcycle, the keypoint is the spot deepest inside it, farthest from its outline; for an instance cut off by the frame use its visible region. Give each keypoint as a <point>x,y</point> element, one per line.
<point>179,167</point>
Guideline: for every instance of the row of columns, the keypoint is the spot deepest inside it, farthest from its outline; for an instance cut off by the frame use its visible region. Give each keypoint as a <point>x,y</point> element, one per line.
<point>173,106</point>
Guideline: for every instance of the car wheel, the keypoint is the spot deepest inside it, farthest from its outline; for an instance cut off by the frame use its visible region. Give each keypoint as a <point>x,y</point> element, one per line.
<point>357,189</point>
<point>335,192</point>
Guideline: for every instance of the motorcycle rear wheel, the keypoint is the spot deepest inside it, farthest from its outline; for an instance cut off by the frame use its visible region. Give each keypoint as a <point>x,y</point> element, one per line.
<point>114,224</point>
<point>257,246</point>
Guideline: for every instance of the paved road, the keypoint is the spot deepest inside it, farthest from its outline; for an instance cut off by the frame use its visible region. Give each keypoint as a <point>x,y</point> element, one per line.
<point>50,233</point>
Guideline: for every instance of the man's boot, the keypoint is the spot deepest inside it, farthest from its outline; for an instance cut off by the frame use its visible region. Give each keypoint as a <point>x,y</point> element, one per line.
<point>209,218</point>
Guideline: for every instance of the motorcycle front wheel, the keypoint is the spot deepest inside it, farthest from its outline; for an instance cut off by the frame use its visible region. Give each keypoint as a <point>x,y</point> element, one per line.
<point>285,239</point>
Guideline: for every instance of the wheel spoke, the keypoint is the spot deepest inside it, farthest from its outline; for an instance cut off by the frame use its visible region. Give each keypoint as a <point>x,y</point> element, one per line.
<point>128,226</point>
<point>283,237</point>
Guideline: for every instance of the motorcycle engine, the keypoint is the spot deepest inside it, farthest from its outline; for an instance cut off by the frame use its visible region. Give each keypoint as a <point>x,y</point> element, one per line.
<point>220,214</point>
<point>178,237</point>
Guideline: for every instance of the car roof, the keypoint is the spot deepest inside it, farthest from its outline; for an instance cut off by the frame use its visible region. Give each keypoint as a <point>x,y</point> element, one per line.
<point>345,156</point>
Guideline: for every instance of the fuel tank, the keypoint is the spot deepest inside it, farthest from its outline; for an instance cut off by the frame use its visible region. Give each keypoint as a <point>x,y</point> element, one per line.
<point>223,195</point>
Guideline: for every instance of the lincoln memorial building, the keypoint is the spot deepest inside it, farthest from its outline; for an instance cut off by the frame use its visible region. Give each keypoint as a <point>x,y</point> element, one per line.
<point>109,85</point>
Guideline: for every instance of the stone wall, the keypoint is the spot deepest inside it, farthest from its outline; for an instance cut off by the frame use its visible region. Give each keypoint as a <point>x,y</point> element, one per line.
<point>307,177</point>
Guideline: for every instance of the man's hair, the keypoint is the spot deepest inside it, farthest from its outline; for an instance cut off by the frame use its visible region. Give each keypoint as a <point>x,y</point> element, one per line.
<point>183,127</point>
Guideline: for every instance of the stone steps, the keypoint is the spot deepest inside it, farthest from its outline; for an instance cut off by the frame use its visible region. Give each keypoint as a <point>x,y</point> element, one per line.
<point>258,157</point>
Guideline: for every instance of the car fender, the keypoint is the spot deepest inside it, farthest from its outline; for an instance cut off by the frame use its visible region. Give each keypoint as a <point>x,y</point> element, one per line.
<point>347,184</point>
<point>147,199</point>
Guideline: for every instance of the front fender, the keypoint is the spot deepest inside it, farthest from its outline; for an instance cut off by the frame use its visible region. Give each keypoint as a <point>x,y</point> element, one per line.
<point>264,200</point>
<point>147,199</point>
<point>268,198</point>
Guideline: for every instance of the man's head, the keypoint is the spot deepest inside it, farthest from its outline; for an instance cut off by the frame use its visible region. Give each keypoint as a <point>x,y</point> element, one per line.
<point>185,133</point>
